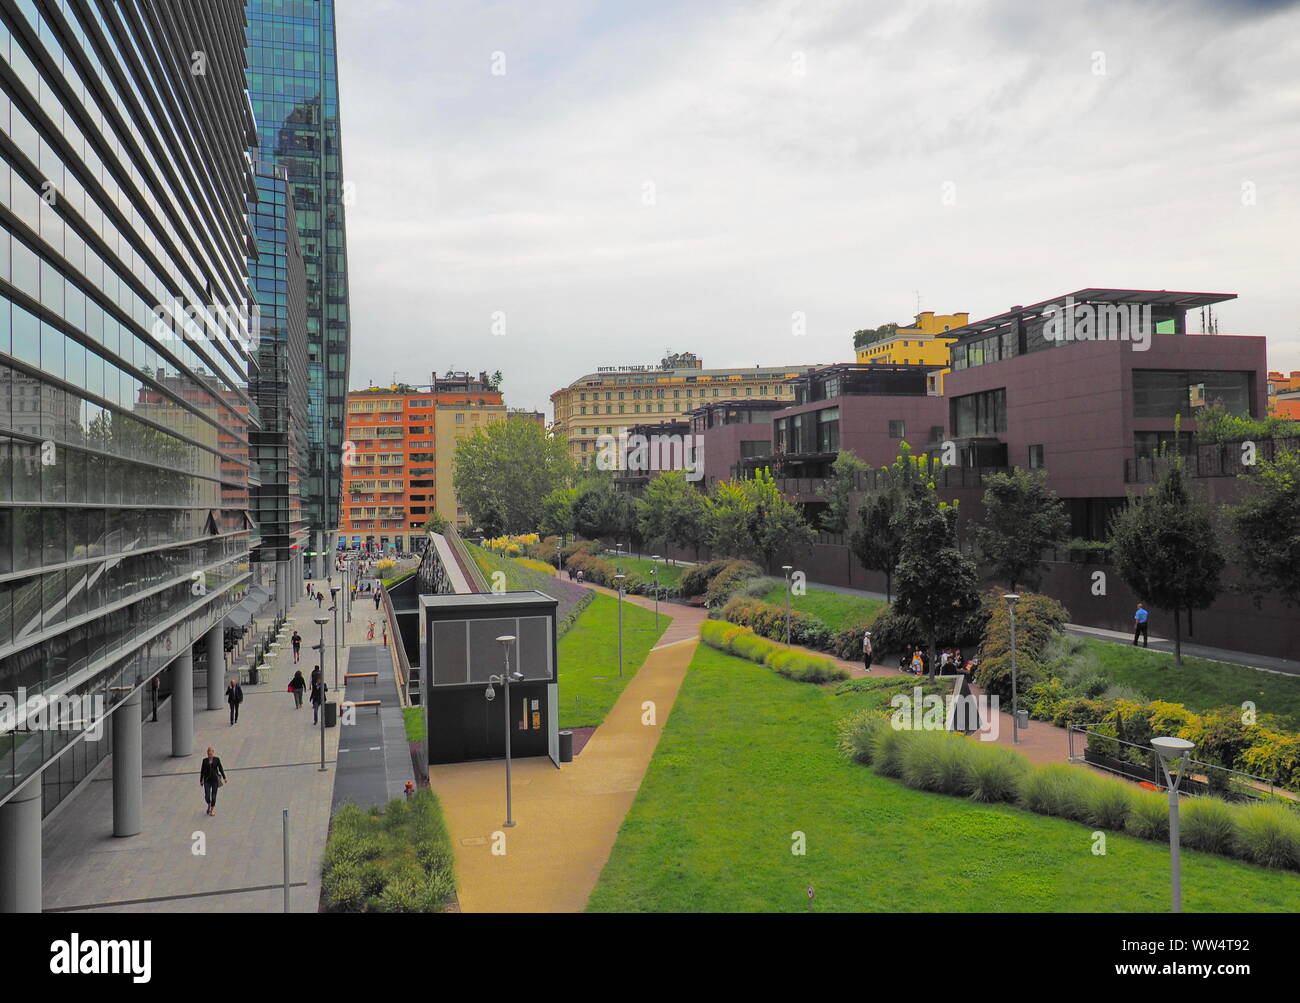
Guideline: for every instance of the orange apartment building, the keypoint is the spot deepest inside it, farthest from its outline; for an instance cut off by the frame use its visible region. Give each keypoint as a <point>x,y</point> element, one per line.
<point>400,454</point>
<point>1284,394</point>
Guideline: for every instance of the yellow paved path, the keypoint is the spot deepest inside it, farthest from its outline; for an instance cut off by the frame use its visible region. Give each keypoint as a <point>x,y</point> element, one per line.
<point>566,819</point>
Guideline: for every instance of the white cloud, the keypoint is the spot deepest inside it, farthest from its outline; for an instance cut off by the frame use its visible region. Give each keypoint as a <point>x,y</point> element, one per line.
<point>775,192</point>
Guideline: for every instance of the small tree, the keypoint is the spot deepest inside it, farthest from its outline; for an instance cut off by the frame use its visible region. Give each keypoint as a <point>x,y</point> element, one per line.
<point>1165,547</point>
<point>937,583</point>
<point>1267,526</point>
<point>1023,517</point>
<point>557,514</point>
<point>672,511</point>
<point>751,518</point>
<point>837,490</point>
<point>436,523</point>
<point>875,541</point>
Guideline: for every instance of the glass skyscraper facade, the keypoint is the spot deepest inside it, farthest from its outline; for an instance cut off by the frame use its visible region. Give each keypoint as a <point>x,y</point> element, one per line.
<point>293,85</point>
<point>126,349</point>
<point>279,445</point>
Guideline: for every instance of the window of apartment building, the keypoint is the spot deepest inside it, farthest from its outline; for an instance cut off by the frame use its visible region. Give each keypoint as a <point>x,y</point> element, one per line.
<point>980,414</point>
<point>677,393</point>
<point>460,419</point>
<point>1160,393</point>
<point>763,389</point>
<point>749,391</point>
<point>828,430</point>
<point>1036,457</point>
<point>661,408</point>
<point>936,433</point>
<point>582,397</point>
<point>897,429</point>
<point>717,392</point>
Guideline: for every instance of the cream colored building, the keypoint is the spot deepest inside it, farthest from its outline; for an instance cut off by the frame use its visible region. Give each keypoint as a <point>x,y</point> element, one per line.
<point>455,422</point>
<point>612,400</point>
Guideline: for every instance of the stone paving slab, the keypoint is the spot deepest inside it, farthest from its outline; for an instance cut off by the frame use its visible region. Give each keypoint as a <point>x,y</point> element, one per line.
<point>272,757</point>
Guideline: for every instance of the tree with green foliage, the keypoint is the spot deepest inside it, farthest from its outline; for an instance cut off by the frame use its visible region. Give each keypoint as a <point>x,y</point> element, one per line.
<point>437,523</point>
<point>504,471</point>
<point>1216,424</point>
<point>1165,546</point>
<point>673,510</point>
<point>557,514</point>
<point>1023,517</point>
<point>876,540</point>
<point>838,489</point>
<point>937,583</point>
<point>751,518</point>
<point>601,510</point>
<point>1267,527</point>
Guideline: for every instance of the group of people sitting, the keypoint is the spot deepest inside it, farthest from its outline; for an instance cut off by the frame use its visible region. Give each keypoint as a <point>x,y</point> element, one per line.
<point>950,661</point>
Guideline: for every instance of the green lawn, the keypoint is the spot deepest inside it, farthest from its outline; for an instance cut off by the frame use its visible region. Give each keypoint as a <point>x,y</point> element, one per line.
<point>669,574</point>
<point>835,609</point>
<point>588,654</point>
<point>1198,683</point>
<point>748,758</point>
<point>416,723</point>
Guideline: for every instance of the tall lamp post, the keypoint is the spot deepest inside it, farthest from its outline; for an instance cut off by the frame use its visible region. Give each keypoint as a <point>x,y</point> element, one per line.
<point>619,578</point>
<point>787,568</point>
<point>335,605</point>
<point>334,610</point>
<point>490,694</point>
<point>654,577</point>
<point>1173,753</point>
<point>1011,599</point>
<point>321,621</point>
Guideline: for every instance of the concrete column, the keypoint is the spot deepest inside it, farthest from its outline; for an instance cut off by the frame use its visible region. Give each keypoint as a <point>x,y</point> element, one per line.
<point>283,576</point>
<point>20,850</point>
<point>128,765</point>
<point>215,640</point>
<point>183,703</point>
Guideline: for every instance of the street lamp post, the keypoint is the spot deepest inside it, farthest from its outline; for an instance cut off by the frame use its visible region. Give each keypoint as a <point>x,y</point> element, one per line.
<point>334,610</point>
<point>1011,598</point>
<point>654,576</point>
<point>787,568</point>
<point>619,578</point>
<point>1173,753</point>
<point>335,604</point>
<point>490,694</point>
<point>320,622</point>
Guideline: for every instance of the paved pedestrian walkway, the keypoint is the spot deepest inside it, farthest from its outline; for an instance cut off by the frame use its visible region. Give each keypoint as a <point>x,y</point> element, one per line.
<point>185,861</point>
<point>568,818</point>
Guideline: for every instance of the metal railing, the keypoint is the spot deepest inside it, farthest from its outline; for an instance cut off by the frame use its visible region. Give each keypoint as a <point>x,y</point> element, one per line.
<point>1135,762</point>
<point>1213,459</point>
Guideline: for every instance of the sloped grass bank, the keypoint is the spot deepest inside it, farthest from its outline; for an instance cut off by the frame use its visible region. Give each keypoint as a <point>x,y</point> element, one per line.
<point>588,653</point>
<point>749,760</point>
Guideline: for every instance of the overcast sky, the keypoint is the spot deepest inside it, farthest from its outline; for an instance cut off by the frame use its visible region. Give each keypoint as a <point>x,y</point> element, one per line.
<point>619,178</point>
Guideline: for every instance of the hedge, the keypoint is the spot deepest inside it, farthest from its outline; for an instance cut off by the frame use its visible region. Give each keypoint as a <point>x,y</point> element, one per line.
<point>1265,833</point>
<point>744,643</point>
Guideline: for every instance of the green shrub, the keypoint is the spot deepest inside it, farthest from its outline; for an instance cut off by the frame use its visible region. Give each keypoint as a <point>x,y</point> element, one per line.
<point>887,745</point>
<point>996,772</point>
<point>857,734</point>
<point>1268,833</point>
<point>1208,824</point>
<point>787,662</point>
<point>696,581</point>
<point>403,893</point>
<point>342,887</point>
<point>1148,816</point>
<point>727,581</point>
<point>1274,756</point>
<point>1058,789</point>
<point>936,761</point>
<point>1109,802</point>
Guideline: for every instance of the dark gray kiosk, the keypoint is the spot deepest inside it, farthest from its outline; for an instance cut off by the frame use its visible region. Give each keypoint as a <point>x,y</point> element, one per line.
<point>459,652</point>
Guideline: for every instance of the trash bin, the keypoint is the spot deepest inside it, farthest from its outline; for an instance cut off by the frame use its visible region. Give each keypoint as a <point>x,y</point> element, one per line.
<point>331,713</point>
<point>252,675</point>
<point>1022,719</point>
<point>566,746</point>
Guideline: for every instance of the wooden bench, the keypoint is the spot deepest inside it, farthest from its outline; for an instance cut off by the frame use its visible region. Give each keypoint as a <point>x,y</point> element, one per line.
<point>361,675</point>
<point>363,703</point>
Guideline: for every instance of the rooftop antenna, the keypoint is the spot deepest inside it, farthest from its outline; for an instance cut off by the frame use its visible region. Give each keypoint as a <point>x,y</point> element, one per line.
<point>918,301</point>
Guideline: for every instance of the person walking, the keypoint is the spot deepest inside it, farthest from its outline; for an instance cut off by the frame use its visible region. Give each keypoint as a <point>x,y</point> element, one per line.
<point>211,776</point>
<point>318,690</point>
<point>296,686</point>
<point>234,697</point>
<point>377,598</point>
<point>866,650</point>
<point>1140,626</point>
<point>296,641</point>
<point>320,598</point>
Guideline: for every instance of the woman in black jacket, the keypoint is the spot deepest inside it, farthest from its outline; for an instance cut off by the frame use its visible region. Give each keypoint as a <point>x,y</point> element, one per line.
<point>296,685</point>
<point>211,776</point>
<point>318,689</point>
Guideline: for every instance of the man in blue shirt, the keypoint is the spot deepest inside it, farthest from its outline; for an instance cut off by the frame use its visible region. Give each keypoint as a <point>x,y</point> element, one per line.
<point>1140,626</point>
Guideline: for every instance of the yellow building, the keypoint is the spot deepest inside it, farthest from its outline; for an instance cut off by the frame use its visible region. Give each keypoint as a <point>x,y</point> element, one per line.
<point>456,421</point>
<point>613,399</point>
<point>921,344</point>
